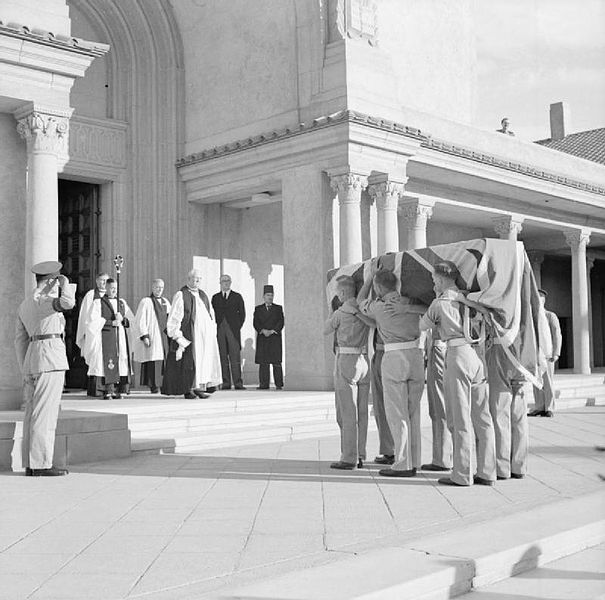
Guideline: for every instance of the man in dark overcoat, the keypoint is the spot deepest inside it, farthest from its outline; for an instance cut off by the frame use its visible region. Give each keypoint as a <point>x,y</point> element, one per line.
<point>230,315</point>
<point>268,323</point>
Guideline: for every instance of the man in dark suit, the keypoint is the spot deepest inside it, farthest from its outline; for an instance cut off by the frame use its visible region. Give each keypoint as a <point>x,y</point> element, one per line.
<point>230,315</point>
<point>268,323</point>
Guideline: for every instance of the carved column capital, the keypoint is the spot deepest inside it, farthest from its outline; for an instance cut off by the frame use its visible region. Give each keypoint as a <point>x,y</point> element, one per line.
<point>416,213</point>
<point>508,225</point>
<point>577,238</point>
<point>44,132</point>
<point>349,186</point>
<point>386,194</point>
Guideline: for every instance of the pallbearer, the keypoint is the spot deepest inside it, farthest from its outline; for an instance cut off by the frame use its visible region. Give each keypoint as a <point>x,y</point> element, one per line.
<point>151,345</point>
<point>43,361</point>
<point>402,367</point>
<point>351,376</point>
<point>386,446</point>
<point>440,414</point>
<point>464,381</point>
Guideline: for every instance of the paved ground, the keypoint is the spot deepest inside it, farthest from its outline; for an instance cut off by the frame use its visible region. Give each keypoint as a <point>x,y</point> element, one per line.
<point>177,527</point>
<point>580,576</point>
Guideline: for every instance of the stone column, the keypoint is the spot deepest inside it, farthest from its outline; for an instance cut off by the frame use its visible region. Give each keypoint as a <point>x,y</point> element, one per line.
<point>386,195</point>
<point>46,135</point>
<point>416,213</point>
<point>589,265</point>
<point>536,258</point>
<point>577,240</point>
<point>508,227</point>
<point>348,187</point>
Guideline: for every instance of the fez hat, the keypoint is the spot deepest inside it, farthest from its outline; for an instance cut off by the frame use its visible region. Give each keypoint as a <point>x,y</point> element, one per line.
<point>49,267</point>
<point>543,293</point>
<point>268,289</point>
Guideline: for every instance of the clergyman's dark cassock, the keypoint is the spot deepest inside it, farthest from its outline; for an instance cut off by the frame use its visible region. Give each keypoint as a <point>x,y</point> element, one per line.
<point>230,315</point>
<point>152,371</point>
<point>269,349</point>
<point>110,345</point>
<point>179,375</point>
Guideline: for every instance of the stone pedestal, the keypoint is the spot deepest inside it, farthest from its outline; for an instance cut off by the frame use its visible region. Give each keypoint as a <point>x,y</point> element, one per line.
<point>349,186</point>
<point>386,196</point>
<point>508,227</point>
<point>46,135</point>
<point>416,212</point>
<point>577,240</point>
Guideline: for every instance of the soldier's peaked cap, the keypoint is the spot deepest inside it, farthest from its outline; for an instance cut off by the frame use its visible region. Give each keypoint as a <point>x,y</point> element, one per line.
<point>49,267</point>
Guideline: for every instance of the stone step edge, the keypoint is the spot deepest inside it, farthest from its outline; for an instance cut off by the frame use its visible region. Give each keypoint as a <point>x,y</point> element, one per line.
<point>435,575</point>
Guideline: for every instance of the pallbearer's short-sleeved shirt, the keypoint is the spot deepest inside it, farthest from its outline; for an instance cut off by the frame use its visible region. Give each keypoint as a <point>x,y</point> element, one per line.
<point>392,328</point>
<point>446,314</point>
<point>350,331</point>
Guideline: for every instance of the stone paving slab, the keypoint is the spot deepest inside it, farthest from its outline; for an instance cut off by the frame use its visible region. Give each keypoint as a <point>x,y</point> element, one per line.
<point>185,526</point>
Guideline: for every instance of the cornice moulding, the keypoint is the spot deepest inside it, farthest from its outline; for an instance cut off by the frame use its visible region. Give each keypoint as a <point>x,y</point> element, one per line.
<point>426,141</point>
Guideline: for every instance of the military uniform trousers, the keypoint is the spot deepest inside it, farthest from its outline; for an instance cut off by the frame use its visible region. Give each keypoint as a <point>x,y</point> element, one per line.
<point>352,387</point>
<point>466,395</point>
<point>441,418</point>
<point>403,384</point>
<point>508,407</point>
<point>386,444</point>
<point>42,393</point>
<point>545,398</point>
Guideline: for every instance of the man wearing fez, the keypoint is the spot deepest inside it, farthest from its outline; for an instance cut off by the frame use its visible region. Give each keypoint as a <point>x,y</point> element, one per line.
<point>43,361</point>
<point>230,315</point>
<point>151,347</point>
<point>268,323</point>
<point>193,364</point>
<point>109,319</point>
<point>95,294</point>
<point>545,398</point>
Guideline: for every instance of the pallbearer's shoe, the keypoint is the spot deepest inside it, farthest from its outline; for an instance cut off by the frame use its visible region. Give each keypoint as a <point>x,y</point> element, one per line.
<point>52,472</point>
<point>342,466</point>
<point>502,477</point>
<point>386,459</point>
<point>535,413</point>
<point>360,464</point>
<point>436,468</point>
<point>482,481</point>
<point>448,481</point>
<point>548,413</point>
<point>517,475</point>
<point>397,473</point>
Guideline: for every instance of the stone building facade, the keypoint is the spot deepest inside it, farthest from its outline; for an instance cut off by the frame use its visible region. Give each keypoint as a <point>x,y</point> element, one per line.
<point>271,140</point>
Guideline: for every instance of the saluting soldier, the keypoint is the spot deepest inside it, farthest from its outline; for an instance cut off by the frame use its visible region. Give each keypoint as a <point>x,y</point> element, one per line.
<point>42,358</point>
<point>268,323</point>
<point>351,376</point>
<point>151,347</point>
<point>464,381</point>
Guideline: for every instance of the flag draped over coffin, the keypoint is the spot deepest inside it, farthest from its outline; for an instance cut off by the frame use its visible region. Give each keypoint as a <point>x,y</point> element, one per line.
<point>496,273</point>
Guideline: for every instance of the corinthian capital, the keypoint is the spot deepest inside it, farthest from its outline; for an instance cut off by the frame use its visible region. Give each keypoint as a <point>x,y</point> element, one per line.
<point>416,213</point>
<point>577,238</point>
<point>349,186</point>
<point>44,132</point>
<point>508,224</point>
<point>386,194</point>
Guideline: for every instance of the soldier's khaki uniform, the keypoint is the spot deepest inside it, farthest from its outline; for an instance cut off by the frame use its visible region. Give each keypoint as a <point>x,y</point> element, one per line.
<point>508,407</point>
<point>465,392</point>
<point>402,378</point>
<point>441,418</point>
<point>385,439</point>
<point>41,355</point>
<point>351,382</point>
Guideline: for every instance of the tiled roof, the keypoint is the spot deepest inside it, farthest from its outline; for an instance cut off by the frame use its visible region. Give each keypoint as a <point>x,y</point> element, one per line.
<point>584,144</point>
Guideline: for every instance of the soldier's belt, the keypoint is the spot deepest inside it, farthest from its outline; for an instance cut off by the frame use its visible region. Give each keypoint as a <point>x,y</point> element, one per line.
<point>456,342</point>
<point>350,350</point>
<point>45,336</point>
<point>402,345</point>
<point>379,347</point>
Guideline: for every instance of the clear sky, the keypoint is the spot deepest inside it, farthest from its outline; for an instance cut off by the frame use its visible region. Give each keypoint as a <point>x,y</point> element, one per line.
<point>534,52</point>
